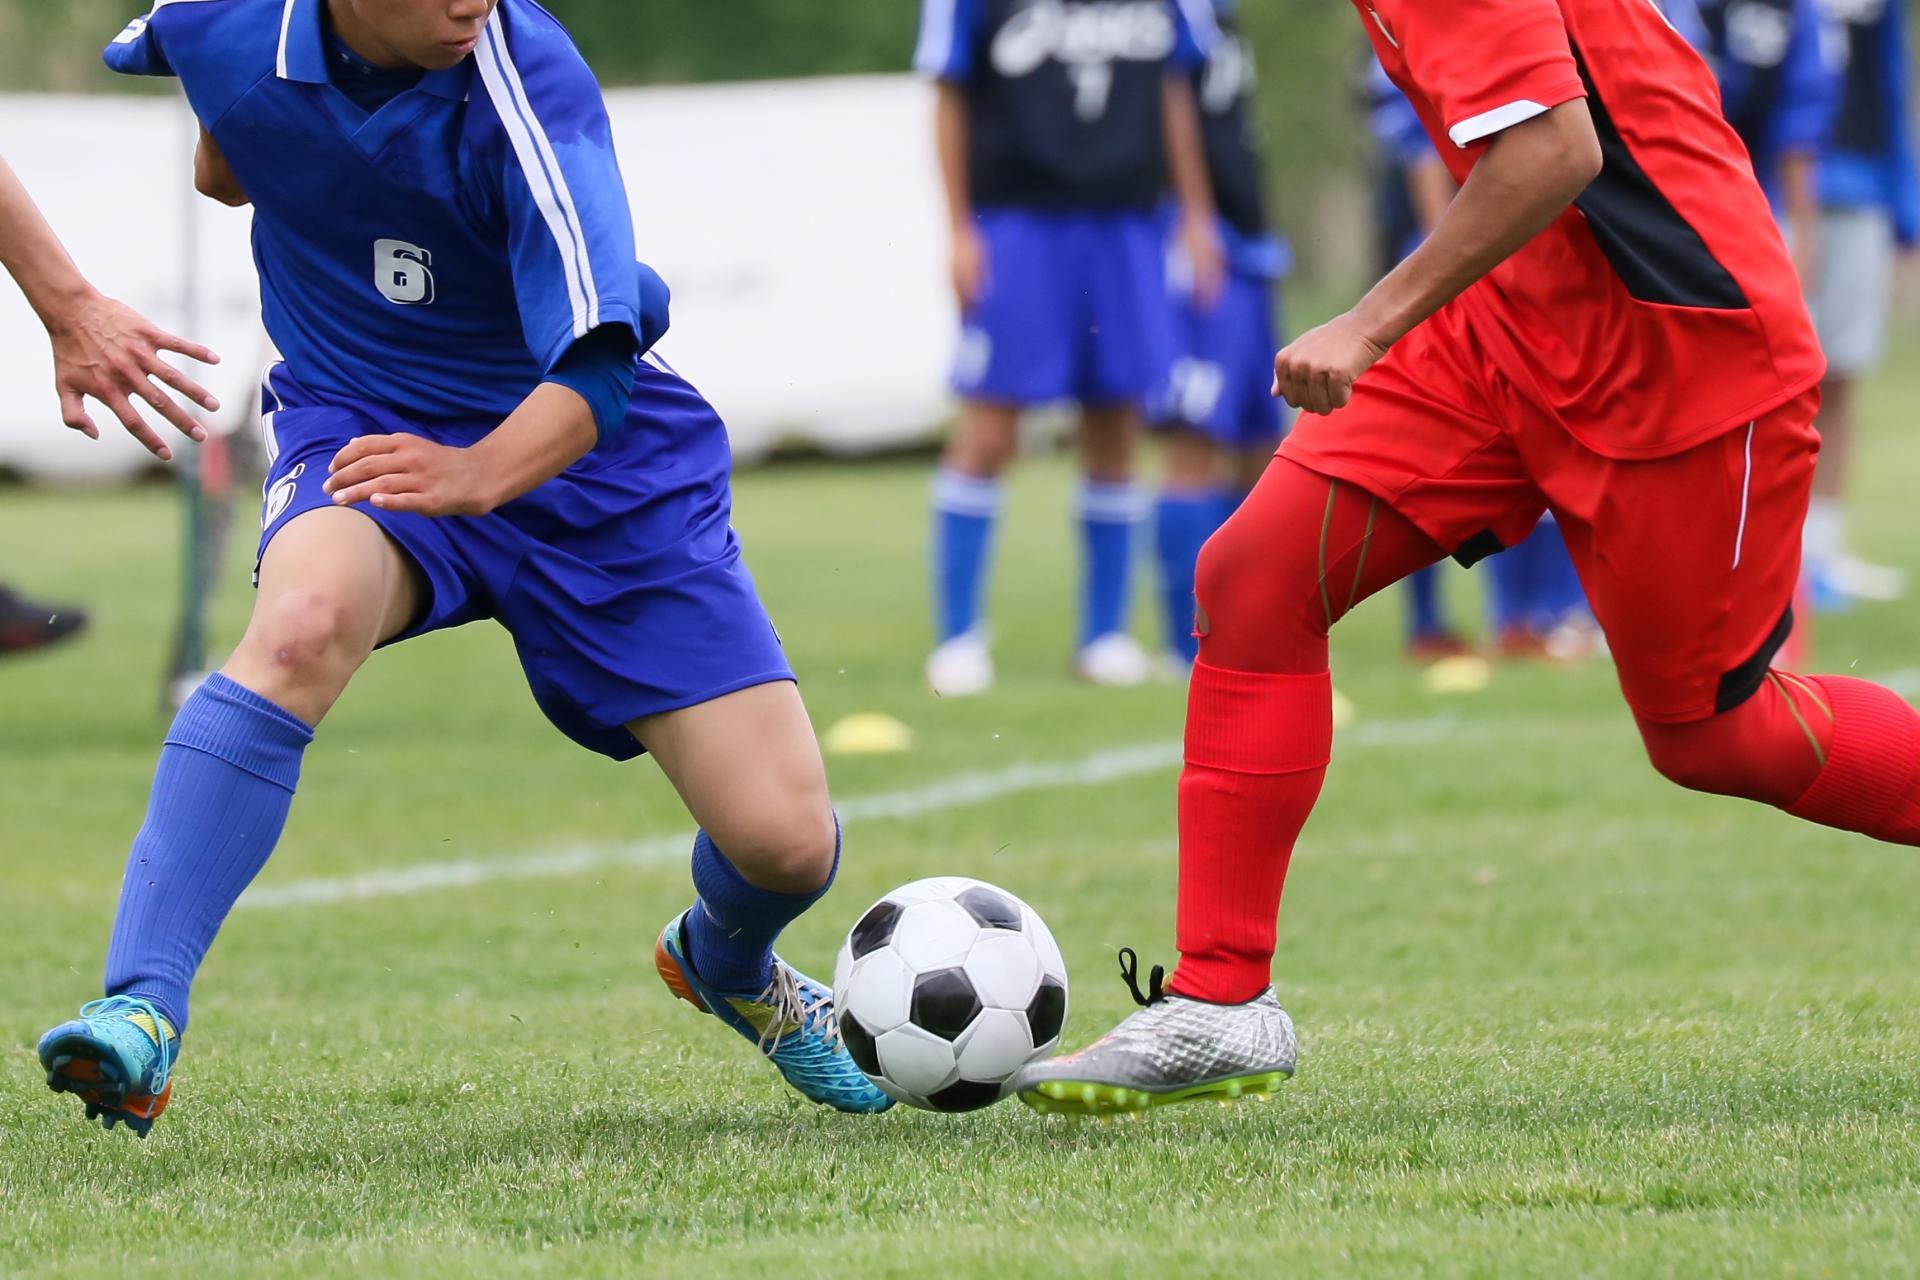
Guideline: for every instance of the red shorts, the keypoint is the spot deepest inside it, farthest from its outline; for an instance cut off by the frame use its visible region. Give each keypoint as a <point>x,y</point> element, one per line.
<point>1689,561</point>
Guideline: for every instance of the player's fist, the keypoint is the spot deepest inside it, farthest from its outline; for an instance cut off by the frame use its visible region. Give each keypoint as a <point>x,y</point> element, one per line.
<point>1316,371</point>
<point>408,473</point>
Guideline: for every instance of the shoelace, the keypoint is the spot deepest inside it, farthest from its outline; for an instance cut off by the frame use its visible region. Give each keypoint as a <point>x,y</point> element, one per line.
<point>795,1010</point>
<point>126,1006</point>
<point>1156,978</point>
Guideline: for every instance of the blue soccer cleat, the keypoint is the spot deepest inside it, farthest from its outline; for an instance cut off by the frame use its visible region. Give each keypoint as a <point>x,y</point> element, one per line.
<point>117,1057</point>
<point>791,1022</point>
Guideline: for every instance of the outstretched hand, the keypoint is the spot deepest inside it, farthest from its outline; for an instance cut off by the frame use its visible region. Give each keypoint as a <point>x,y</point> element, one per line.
<point>1316,371</point>
<point>105,349</point>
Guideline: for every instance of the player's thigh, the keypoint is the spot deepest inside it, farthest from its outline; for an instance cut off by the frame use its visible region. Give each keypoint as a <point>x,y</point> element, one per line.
<point>1017,339</point>
<point>1690,562</point>
<point>332,575</point>
<point>1850,297</point>
<point>749,769</point>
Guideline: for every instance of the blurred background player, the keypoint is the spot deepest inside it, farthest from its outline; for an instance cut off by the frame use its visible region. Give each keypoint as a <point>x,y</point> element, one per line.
<point>101,348</point>
<point>1536,606</point>
<point>1059,129</point>
<point>1869,201</point>
<point>1216,413</point>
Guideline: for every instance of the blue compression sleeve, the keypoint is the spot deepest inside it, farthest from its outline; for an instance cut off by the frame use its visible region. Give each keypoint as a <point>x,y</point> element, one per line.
<point>600,368</point>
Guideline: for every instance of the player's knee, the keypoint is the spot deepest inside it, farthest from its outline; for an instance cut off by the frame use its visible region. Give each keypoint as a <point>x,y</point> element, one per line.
<point>786,842</point>
<point>303,630</point>
<point>1698,757</point>
<point>1246,592</point>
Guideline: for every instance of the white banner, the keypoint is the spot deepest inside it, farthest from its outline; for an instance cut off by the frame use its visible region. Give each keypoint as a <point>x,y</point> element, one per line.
<point>799,224</point>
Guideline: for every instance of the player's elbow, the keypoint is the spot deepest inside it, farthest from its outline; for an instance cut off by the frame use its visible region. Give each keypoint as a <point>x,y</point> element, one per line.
<point>1579,159</point>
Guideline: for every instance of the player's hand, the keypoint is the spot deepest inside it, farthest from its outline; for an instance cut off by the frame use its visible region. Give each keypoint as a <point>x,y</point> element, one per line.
<point>105,349</point>
<point>408,473</point>
<point>969,264</point>
<point>1200,241</point>
<point>1316,371</point>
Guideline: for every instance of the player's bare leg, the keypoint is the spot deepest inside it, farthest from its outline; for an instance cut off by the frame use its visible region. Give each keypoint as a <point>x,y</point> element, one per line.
<point>1108,511</point>
<point>966,505</point>
<point>1838,576</point>
<point>749,769</point>
<point>332,586</point>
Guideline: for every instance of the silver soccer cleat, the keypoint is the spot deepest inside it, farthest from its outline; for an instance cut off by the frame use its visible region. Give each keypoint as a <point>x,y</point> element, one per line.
<point>1173,1050</point>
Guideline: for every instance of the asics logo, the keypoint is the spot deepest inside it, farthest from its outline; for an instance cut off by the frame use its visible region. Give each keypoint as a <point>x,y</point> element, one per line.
<point>1088,39</point>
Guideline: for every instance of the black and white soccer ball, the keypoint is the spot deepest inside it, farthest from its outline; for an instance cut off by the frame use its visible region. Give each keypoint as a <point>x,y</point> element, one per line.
<point>945,988</point>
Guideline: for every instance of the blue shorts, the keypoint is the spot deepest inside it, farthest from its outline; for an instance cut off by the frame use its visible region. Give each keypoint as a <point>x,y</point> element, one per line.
<point>1221,383</point>
<point>1073,308</point>
<point>620,579</point>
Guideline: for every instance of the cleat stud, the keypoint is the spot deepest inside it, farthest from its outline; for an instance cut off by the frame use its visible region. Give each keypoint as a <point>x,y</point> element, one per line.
<point>1088,1093</point>
<point>1057,1090</point>
<point>1233,1088</point>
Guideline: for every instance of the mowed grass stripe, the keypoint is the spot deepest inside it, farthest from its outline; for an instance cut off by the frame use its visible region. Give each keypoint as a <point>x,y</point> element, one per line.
<point>961,790</point>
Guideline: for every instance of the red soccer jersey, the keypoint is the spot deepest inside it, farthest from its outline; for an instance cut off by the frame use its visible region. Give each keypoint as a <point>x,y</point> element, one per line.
<point>1659,310</point>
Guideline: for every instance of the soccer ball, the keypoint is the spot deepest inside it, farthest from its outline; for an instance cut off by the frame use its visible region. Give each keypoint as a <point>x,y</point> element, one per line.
<point>945,988</point>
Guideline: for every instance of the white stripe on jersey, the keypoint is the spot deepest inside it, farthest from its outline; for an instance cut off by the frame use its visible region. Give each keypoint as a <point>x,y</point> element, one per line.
<point>935,49</point>
<point>280,58</point>
<point>542,170</point>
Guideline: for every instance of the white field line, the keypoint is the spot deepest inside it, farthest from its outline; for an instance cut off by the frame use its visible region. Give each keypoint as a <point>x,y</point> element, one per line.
<point>960,791</point>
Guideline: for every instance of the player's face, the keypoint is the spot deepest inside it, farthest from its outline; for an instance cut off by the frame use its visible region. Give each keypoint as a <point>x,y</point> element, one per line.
<point>421,33</point>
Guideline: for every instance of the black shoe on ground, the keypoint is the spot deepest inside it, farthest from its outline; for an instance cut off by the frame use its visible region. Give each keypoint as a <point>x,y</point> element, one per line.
<point>28,624</point>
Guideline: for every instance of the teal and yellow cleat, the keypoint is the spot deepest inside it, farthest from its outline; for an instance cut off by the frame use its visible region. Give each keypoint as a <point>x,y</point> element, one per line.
<point>791,1022</point>
<point>117,1057</point>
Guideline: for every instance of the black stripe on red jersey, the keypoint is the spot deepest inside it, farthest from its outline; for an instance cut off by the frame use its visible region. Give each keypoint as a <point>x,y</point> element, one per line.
<point>1653,249</point>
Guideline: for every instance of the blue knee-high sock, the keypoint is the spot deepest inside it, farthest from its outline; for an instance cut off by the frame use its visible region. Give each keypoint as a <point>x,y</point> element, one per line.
<point>220,798</point>
<point>1423,587</point>
<point>732,927</point>
<point>1108,512</point>
<point>1182,523</point>
<point>964,509</point>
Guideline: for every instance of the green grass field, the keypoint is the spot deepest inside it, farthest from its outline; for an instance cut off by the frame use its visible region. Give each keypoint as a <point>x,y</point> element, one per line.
<point>1557,1017</point>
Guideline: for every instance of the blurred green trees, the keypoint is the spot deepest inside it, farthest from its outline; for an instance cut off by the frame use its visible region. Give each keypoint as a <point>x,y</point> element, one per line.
<point>1306,50</point>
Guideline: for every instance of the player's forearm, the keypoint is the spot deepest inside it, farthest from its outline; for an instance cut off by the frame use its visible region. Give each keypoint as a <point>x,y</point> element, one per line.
<point>551,430</point>
<point>1529,175</point>
<point>1186,152</point>
<point>36,259</point>
<point>951,141</point>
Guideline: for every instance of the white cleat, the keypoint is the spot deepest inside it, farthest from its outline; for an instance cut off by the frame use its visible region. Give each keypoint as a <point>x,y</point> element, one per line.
<point>1115,658</point>
<point>961,667</point>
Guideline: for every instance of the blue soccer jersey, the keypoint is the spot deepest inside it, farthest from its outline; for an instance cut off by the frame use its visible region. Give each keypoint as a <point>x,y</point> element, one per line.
<point>439,254</point>
<point>1063,96</point>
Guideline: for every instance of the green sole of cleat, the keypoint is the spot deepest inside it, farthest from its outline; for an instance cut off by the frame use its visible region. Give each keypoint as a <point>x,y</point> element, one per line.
<point>1086,1098</point>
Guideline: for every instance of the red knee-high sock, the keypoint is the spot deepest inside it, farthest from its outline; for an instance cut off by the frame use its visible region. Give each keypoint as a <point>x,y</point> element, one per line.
<point>1300,552</point>
<point>1870,781</point>
<point>1257,750</point>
